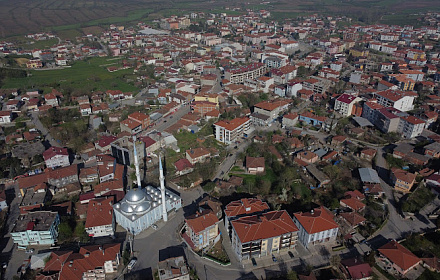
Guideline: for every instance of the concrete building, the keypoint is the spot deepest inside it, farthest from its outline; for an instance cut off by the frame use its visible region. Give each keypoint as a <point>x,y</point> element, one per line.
<point>344,104</point>
<point>122,150</point>
<point>401,100</point>
<point>173,269</point>
<point>398,257</point>
<point>56,157</point>
<point>272,109</point>
<point>240,74</point>
<point>202,229</point>
<point>316,226</point>
<point>100,221</point>
<point>36,228</point>
<point>263,235</point>
<point>230,131</point>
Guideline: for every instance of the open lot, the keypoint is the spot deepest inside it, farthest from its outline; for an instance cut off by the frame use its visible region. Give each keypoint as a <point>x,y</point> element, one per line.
<point>88,75</point>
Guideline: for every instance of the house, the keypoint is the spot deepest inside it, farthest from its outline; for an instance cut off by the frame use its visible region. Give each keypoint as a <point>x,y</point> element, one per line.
<point>263,234</point>
<point>401,100</point>
<point>290,119</point>
<point>51,99</point>
<point>353,219</point>
<point>56,157</point>
<point>230,131</point>
<point>352,203</point>
<point>368,154</point>
<point>141,118</point>
<point>272,109</point>
<point>312,119</point>
<point>432,150</point>
<point>202,229</point>
<point>131,126</point>
<point>255,165</point>
<point>244,207</point>
<point>410,126</point>
<point>5,117</point>
<point>197,155</point>
<point>85,109</point>
<point>308,157</point>
<point>402,179</point>
<point>92,262</point>
<point>183,166</point>
<point>88,175</point>
<point>173,269</point>
<point>344,104</point>
<point>63,176</point>
<point>356,270</point>
<point>316,226</point>
<point>398,257</point>
<point>36,228</point>
<point>100,221</point>
<point>104,143</point>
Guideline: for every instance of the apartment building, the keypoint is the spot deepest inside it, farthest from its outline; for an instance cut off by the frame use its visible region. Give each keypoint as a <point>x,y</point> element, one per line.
<point>230,131</point>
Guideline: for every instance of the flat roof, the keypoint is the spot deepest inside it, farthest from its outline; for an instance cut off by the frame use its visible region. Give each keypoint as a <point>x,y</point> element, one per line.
<point>362,121</point>
<point>369,175</point>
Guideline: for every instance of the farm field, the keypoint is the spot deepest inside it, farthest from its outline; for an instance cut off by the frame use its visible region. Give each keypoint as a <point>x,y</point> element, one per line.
<point>90,75</point>
<point>26,16</point>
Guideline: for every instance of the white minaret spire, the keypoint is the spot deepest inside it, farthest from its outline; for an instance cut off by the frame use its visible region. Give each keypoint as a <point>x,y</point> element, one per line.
<point>162,191</point>
<point>136,163</point>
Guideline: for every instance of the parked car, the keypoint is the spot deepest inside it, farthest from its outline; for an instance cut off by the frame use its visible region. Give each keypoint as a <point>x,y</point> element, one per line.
<point>131,263</point>
<point>254,262</point>
<point>274,259</point>
<point>154,226</point>
<point>291,254</point>
<point>30,251</point>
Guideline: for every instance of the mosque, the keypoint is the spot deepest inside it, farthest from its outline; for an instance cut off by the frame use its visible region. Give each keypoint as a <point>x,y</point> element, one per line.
<point>142,207</point>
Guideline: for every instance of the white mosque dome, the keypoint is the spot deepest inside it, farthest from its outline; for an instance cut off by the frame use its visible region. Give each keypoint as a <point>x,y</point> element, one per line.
<point>135,195</point>
<point>126,208</point>
<point>143,207</point>
<point>117,205</point>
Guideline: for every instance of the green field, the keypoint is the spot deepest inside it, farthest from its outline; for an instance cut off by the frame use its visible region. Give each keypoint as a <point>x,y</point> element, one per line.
<point>87,75</point>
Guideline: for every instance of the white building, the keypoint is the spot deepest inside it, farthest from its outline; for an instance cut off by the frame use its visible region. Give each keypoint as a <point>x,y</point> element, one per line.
<point>56,157</point>
<point>230,131</point>
<point>100,221</point>
<point>36,228</point>
<point>5,116</point>
<point>401,100</point>
<point>344,104</point>
<point>316,226</point>
<point>142,207</point>
<point>410,126</point>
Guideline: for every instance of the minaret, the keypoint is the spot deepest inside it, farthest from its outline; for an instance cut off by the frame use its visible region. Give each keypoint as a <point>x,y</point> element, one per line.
<point>162,191</point>
<point>136,163</point>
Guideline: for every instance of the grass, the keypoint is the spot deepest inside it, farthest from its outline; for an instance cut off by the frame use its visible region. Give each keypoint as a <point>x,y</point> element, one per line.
<point>401,19</point>
<point>236,169</point>
<point>418,199</point>
<point>41,44</point>
<point>88,75</point>
<point>268,176</point>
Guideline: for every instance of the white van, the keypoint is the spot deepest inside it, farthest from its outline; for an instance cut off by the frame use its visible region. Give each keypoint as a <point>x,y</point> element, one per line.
<point>131,263</point>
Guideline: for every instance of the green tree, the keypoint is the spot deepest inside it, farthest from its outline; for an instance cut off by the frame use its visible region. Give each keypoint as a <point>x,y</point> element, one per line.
<point>65,231</point>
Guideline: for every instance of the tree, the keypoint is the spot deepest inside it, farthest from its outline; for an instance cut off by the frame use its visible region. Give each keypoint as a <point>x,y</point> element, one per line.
<point>64,231</point>
<point>292,275</point>
<point>335,260</point>
<point>209,186</point>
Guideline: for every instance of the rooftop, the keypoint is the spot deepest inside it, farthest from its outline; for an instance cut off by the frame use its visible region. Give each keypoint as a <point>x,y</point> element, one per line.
<point>35,221</point>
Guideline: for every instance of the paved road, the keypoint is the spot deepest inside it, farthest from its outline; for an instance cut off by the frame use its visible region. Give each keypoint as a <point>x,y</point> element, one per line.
<point>14,258</point>
<point>38,125</point>
<point>168,121</point>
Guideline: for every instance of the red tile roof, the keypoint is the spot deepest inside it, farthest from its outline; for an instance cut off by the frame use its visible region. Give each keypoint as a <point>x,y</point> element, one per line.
<point>54,151</point>
<point>399,255</point>
<point>201,221</point>
<point>353,203</point>
<point>320,220</point>
<point>232,124</point>
<point>99,212</point>
<point>182,164</point>
<point>245,206</point>
<point>353,218</point>
<point>260,227</point>
<point>254,162</point>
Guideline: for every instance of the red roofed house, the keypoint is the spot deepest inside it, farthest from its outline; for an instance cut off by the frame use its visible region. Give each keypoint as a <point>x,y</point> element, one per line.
<point>356,270</point>
<point>411,126</point>
<point>56,157</point>
<point>255,165</point>
<point>264,234</point>
<point>273,108</point>
<point>183,166</point>
<point>202,228</point>
<point>104,143</point>
<point>402,179</point>
<point>352,203</point>
<point>131,126</point>
<point>197,155</point>
<point>398,257</point>
<point>100,221</point>
<point>92,261</point>
<point>243,207</point>
<point>141,118</point>
<point>344,104</point>
<point>230,131</point>
<point>316,226</point>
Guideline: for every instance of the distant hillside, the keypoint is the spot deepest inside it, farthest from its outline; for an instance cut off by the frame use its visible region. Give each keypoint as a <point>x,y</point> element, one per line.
<point>28,16</point>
